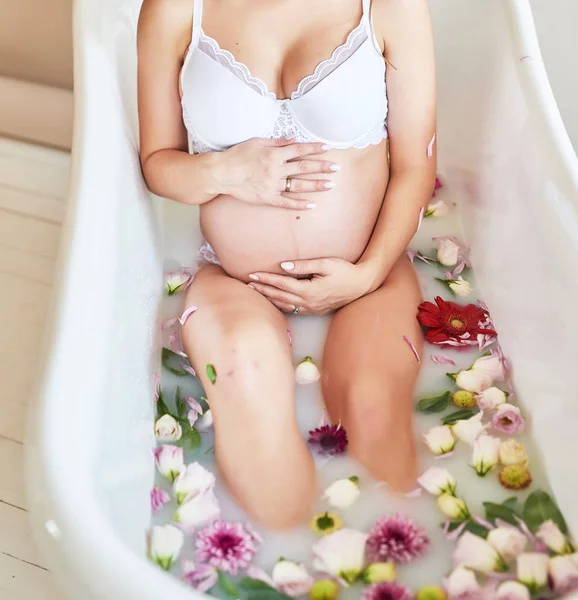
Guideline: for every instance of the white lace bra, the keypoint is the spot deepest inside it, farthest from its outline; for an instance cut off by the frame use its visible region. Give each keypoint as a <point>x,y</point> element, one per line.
<point>343,103</point>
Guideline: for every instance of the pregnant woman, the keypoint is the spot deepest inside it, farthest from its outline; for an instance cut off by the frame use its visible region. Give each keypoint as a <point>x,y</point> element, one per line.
<point>272,117</point>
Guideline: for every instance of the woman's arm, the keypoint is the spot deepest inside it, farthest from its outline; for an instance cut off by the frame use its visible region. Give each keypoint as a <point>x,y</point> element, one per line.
<point>405,28</point>
<point>254,171</point>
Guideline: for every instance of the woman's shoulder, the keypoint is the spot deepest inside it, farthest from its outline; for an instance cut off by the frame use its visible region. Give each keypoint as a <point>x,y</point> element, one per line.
<point>166,20</point>
<point>394,18</point>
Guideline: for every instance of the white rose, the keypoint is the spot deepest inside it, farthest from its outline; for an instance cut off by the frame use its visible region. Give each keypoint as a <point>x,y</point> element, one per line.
<point>307,372</point>
<point>486,454</point>
<point>342,493</point>
<point>341,554</point>
<point>512,590</point>
<point>193,480</point>
<point>551,535</point>
<point>291,578</point>
<point>462,583</point>
<point>205,422</point>
<point>507,541</point>
<point>473,381</point>
<point>440,439</point>
<point>532,570</point>
<point>176,282</point>
<point>491,398</point>
<point>452,507</point>
<point>165,544</point>
<point>167,429</point>
<point>199,511</point>
<point>169,461</point>
<point>437,481</point>
<point>513,452</point>
<point>476,553</point>
<point>448,252</point>
<point>460,287</point>
<point>564,572</point>
<point>437,208</point>
<point>492,365</point>
<point>468,430</point>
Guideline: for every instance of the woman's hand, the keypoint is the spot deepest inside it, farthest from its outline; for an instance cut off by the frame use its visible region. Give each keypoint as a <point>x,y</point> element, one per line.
<point>334,283</point>
<point>257,172</point>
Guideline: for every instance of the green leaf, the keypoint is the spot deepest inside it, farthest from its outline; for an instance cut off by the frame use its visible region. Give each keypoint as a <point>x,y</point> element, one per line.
<point>459,415</point>
<point>204,404</point>
<point>180,403</point>
<point>500,511</point>
<point>254,585</point>
<point>173,362</point>
<point>435,404</point>
<point>226,584</point>
<point>191,440</point>
<point>513,503</point>
<point>162,408</point>
<point>477,529</point>
<point>539,507</point>
<point>211,373</point>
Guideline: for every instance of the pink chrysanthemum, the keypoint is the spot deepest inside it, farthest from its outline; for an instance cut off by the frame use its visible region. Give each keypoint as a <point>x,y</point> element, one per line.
<point>329,439</point>
<point>387,591</point>
<point>396,538</point>
<point>227,546</point>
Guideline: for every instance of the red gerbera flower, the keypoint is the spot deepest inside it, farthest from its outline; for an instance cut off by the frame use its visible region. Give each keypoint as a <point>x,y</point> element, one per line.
<point>451,324</point>
<point>329,439</point>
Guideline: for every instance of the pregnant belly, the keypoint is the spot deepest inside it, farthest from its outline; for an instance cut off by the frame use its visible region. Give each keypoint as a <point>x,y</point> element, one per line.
<point>249,238</point>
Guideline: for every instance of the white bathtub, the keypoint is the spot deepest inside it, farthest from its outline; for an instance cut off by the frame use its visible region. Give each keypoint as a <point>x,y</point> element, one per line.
<point>501,141</point>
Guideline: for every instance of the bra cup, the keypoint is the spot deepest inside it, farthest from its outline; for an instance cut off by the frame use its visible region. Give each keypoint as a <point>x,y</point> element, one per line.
<point>223,110</point>
<point>348,102</point>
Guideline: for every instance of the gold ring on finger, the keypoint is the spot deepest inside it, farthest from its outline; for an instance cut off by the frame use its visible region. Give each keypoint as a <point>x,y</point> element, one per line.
<point>288,184</point>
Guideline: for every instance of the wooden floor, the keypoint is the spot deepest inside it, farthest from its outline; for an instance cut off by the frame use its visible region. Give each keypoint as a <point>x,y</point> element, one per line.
<point>33,184</point>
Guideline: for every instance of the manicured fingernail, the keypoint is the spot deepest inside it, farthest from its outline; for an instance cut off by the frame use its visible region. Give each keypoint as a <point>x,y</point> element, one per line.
<point>310,205</point>
<point>288,266</point>
<point>253,277</point>
<point>251,286</point>
<point>329,184</point>
<point>335,167</point>
<point>325,147</point>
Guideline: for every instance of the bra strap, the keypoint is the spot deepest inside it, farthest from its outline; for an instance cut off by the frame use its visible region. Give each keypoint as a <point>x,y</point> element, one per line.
<point>197,20</point>
<point>366,6</point>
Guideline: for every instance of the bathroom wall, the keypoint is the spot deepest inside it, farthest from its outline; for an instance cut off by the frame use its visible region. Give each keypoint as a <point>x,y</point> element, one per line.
<point>36,70</point>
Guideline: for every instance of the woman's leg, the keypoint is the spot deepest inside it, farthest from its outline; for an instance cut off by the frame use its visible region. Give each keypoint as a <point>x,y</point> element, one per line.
<point>261,453</point>
<point>369,375</point>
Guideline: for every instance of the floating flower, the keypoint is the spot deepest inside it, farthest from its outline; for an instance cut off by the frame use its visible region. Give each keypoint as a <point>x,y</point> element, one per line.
<point>159,498</point>
<point>485,455</point>
<point>459,286</point>
<point>379,572</point>
<point>177,281</point>
<point>471,381</point>
<point>199,510</point>
<point>564,572</point>
<point>326,523</point>
<point>169,461</point>
<point>512,590</point>
<point>341,554</point>
<point>307,372</point>
<point>192,481</point>
<point>448,251</point>
<point>195,411</point>
<point>491,398</point>
<point>167,429</point>
<point>396,538</point>
<point>464,399</point>
<point>201,578</point>
<point>468,430</point>
<point>343,492</point>
<point>165,543</point>
<point>431,592</point>
<point>532,570</point>
<point>451,324</point>
<point>437,208</point>
<point>452,507</point>
<point>329,439</point>
<point>508,542</point>
<point>437,481</point>
<point>387,591</point>
<point>492,365</point>
<point>205,422</point>
<point>291,578</point>
<point>476,553</point>
<point>513,452</point>
<point>439,439</point>
<point>515,477</point>
<point>461,583</point>
<point>508,419</point>
<point>324,589</point>
<point>227,546</point>
<point>554,539</point>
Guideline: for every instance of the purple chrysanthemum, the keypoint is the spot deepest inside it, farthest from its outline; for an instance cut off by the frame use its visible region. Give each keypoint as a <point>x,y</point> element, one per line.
<point>387,591</point>
<point>227,546</point>
<point>330,439</point>
<point>396,538</point>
